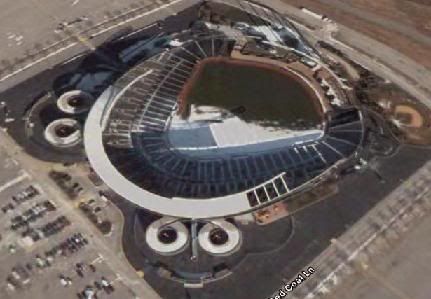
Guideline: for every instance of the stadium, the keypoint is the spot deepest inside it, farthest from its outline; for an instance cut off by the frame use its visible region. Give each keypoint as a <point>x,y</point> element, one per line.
<point>197,132</point>
<point>207,149</point>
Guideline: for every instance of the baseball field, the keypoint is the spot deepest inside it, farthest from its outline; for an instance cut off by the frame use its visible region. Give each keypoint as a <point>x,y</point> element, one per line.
<point>258,93</point>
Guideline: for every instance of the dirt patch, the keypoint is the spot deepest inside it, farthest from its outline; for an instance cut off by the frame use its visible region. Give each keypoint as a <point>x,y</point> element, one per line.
<point>413,118</point>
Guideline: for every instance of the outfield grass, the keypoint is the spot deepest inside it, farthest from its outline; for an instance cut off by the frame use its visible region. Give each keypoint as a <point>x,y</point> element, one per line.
<point>269,97</point>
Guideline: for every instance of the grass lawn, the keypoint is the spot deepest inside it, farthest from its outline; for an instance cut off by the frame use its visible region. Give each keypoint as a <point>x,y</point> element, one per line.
<point>260,95</point>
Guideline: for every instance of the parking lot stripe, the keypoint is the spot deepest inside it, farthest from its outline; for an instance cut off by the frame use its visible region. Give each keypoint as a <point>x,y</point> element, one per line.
<point>14,181</point>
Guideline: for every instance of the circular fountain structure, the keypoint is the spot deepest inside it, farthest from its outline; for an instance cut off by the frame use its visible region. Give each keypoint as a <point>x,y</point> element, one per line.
<point>64,132</point>
<point>75,102</point>
<point>220,238</point>
<point>167,236</point>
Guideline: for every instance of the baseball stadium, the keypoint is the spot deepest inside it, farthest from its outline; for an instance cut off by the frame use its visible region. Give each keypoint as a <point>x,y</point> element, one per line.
<point>216,145</point>
<point>224,121</point>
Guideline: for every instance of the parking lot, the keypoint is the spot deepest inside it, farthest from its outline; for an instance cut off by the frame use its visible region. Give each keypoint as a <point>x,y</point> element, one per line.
<point>19,35</point>
<point>43,252</point>
<point>38,35</point>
